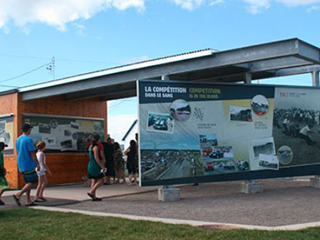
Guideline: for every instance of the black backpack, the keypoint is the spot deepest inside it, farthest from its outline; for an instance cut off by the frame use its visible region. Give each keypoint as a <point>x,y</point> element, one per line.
<point>2,172</point>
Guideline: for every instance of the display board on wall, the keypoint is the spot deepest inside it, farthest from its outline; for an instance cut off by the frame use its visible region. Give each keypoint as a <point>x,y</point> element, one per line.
<point>6,132</point>
<point>63,133</point>
<point>210,132</point>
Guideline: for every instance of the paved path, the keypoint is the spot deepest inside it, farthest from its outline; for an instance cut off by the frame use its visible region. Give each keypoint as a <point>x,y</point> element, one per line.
<point>79,192</point>
<point>52,202</point>
<point>283,203</point>
<point>71,194</point>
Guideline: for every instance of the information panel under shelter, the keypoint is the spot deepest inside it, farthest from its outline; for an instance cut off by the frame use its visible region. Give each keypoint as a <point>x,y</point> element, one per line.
<point>63,133</point>
<point>6,132</point>
<point>207,132</point>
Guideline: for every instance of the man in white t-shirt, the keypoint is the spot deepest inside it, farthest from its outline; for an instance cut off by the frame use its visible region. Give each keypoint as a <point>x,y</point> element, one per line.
<point>304,134</point>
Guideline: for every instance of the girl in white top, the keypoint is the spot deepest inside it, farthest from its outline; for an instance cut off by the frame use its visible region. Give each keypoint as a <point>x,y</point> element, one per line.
<point>42,178</point>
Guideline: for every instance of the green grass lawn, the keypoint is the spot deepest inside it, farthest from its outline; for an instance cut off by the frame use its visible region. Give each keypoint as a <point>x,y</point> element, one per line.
<point>35,224</point>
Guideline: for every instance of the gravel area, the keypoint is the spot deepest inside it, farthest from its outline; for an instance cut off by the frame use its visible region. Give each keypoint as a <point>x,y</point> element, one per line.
<point>283,202</point>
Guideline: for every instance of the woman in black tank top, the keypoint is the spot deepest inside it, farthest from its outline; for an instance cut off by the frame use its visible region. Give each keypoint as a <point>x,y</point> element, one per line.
<point>132,164</point>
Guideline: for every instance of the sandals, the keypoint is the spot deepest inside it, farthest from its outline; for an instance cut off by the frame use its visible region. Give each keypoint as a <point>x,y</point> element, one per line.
<point>40,199</point>
<point>94,199</point>
<point>91,196</point>
<point>17,200</point>
<point>30,204</point>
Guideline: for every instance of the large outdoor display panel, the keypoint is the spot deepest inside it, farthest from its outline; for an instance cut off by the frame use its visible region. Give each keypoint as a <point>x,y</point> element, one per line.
<point>210,132</point>
<point>62,133</point>
<point>6,132</point>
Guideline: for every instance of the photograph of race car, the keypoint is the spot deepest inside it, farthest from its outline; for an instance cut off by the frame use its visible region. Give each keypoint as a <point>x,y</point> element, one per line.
<point>242,114</point>
<point>180,110</point>
<point>160,122</point>
<point>260,105</point>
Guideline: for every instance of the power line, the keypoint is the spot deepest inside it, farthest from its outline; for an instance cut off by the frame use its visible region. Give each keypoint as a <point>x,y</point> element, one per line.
<point>21,75</point>
<point>122,101</point>
<point>111,108</point>
<point>8,86</point>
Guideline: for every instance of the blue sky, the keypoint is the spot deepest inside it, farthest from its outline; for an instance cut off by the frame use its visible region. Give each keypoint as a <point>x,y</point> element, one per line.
<point>90,35</point>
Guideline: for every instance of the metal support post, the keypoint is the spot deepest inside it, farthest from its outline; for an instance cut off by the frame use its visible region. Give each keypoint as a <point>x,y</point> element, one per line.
<point>165,78</point>
<point>248,77</point>
<point>315,78</point>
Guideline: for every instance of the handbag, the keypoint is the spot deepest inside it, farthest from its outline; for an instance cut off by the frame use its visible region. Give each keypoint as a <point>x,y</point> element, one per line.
<point>2,171</point>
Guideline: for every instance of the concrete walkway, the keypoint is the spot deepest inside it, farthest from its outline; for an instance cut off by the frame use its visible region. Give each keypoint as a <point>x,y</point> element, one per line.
<point>78,192</point>
<point>284,204</point>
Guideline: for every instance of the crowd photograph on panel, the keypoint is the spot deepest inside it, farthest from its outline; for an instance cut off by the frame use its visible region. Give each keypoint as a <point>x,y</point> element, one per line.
<point>294,127</point>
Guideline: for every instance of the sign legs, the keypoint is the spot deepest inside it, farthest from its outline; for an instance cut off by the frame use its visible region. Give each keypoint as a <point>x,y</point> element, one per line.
<point>315,182</point>
<point>251,186</point>
<point>168,193</point>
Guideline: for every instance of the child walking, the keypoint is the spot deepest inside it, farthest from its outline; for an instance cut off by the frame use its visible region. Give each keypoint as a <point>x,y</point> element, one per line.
<point>3,181</point>
<point>119,163</point>
<point>42,178</point>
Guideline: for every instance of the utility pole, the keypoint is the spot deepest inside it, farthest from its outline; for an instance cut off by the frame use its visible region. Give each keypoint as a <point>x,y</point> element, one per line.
<point>51,67</point>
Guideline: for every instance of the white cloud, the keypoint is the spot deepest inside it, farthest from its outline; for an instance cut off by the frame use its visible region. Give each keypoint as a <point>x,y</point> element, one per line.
<point>216,2</point>
<point>57,13</point>
<point>313,8</point>
<point>256,6</point>
<point>118,125</point>
<point>80,29</point>
<point>192,4</point>
<point>135,59</point>
<point>6,30</point>
<point>297,2</point>
<point>124,4</point>
<point>189,4</point>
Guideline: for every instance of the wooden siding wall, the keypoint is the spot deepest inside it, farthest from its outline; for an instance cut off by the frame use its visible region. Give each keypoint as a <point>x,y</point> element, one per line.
<point>8,105</point>
<point>66,167</point>
<point>58,106</point>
